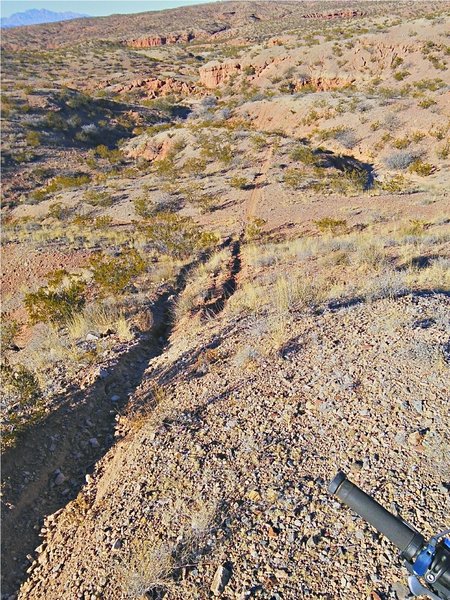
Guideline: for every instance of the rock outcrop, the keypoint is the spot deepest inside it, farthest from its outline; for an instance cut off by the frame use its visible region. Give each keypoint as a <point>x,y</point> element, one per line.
<point>155,87</point>
<point>214,73</point>
<point>339,14</point>
<point>323,83</point>
<point>161,40</point>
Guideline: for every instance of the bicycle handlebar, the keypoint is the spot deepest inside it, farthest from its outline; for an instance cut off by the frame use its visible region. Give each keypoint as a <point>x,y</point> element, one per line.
<point>406,538</point>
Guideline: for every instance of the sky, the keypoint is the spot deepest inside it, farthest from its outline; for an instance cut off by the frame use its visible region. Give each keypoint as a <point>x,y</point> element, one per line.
<point>94,8</point>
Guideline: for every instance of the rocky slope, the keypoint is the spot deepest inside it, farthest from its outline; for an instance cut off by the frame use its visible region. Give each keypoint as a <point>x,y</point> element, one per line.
<point>221,489</point>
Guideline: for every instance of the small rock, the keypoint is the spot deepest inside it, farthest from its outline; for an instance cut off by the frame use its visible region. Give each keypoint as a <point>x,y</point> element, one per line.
<point>115,398</point>
<point>94,443</point>
<point>415,438</point>
<point>117,545</point>
<point>401,591</point>
<point>92,337</point>
<point>60,479</point>
<point>221,579</point>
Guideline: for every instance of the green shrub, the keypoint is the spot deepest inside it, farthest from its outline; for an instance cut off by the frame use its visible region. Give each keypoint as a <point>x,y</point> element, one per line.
<point>22,382</point>
<point>421,168</point>
<point>59,183</point>
<point>102,222</point>
<point>241,183</point>
<point>8,331</point>
<point>329,225</point>
<point>194,166</point>
<point>304,154</point>
<point>113,156</point>
<point>401,143</point>
<point>58,211</point>
<point>55,305</point>
<point>293,178</point>
<point>98,198</point>
<point>400,75</point>
<point>113,274</point>
<point>395,184</point>
<point>253,229</point>
<point>33,139</point>
<point>427,102</point>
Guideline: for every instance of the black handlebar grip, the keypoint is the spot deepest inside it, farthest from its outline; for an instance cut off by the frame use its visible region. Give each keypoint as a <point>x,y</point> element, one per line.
<point>406,538</point>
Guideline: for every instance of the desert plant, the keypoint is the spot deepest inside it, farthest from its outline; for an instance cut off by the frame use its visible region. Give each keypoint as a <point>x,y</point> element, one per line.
<point>113,274</point>
<point>329,225</point>
<point>253,229</point>
<point>401,160</point>
<point>55,305</point>
<point>58,211</point>
<point>239,182</point>
<point>304,154</point>
<point>22,383</point>
<point>421,168</point>
<point>293,178</point>
<point>33,139</point>
<point>8,331</point>
<point>98,198</point>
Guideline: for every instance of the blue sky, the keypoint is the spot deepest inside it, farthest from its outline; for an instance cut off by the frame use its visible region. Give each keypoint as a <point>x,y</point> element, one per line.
<point>93,7</point>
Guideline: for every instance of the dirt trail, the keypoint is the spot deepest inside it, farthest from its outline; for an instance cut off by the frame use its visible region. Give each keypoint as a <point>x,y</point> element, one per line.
<point>257,190</point>
<point>70,440</point>
<point>75,436</point>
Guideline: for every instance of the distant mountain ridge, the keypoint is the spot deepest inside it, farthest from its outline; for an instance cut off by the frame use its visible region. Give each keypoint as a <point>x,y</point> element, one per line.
<point>34,16</point>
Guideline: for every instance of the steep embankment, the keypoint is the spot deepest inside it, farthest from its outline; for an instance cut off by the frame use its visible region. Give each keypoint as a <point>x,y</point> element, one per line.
<point>222,484</point>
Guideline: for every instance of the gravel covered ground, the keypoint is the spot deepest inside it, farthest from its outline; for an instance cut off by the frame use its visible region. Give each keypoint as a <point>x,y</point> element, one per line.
<point>221,488</point>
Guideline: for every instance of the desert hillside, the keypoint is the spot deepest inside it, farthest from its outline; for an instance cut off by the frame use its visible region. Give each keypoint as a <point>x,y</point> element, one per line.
<point>226,276</point>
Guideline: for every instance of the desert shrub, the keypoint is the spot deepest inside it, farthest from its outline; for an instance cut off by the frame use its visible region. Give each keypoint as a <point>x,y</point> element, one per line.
<point>444,152</point>
<point>253,230</point>
<point>194,166</point>
<point>329,225</point>
<point>172,234</point>
<point>304,154</point>
<point>8,331</point>
<point>401,143</point>
<point>416,227</point>
<point>216,147</point>
<point>241,183</point>
<point>346,138</point>
<point>400,75</point>
<point>396,62</point>
<point>432,85</point>
<point>204,202</point>
<point>59,183</point>
<point>394,184</point>
<point>113,274</point>
<point>258,141</point>
<point>427,102</point>
<point>249,70</point>
<point>58,211</point>
<point>33,139</point>
<point>55,305</point>
<point>421,168</point>
<point>98,198</point>
<point>401,160</point>
<point>22,383</point>
<point>113,156</point>
<point>146,208</point>
<point>293,178</point>
<point>54,121</point>
<point>102,222</point>
<point>418,136</point>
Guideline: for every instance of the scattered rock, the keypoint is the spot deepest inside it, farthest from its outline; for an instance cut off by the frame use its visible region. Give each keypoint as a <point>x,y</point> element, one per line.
<point>221,578</point>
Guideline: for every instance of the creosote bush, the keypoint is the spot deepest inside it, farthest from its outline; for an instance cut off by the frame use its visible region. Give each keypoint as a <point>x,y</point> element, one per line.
<point>113,274</point>
<point>329,225</point>
<point>55,304</point>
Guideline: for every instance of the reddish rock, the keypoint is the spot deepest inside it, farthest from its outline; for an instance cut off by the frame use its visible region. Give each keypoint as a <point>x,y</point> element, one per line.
<point>214,73</point>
